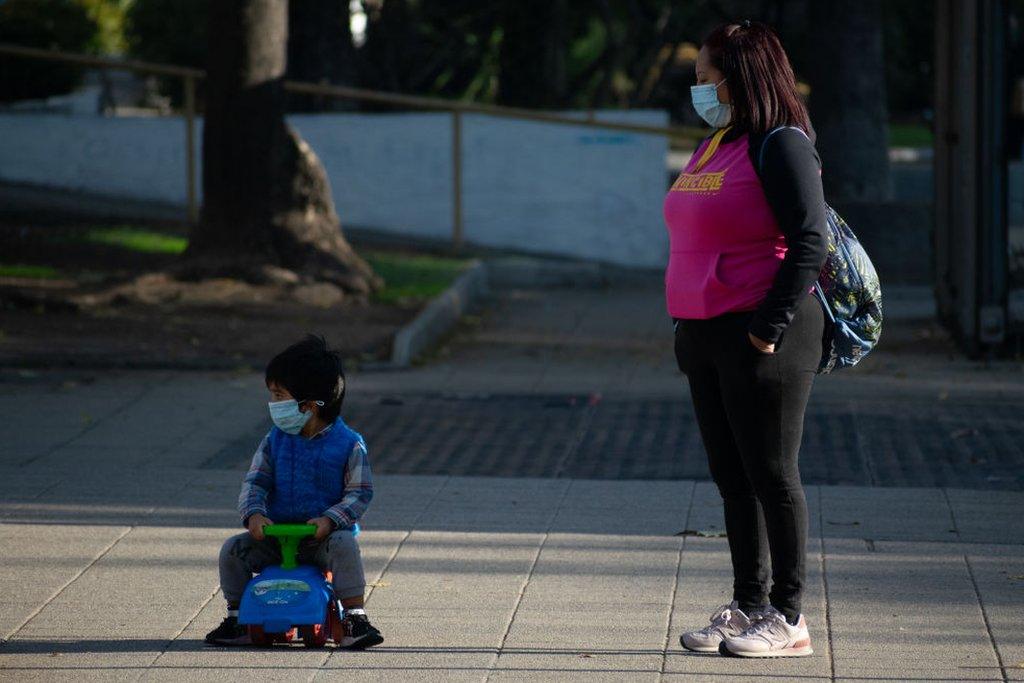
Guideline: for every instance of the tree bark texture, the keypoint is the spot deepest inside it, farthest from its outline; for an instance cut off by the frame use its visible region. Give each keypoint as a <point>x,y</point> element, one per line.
<point>267,203</point>
<point>848,103</point>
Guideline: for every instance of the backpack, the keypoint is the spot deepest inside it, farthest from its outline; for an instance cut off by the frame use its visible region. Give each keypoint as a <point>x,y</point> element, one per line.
<point>848,290</point>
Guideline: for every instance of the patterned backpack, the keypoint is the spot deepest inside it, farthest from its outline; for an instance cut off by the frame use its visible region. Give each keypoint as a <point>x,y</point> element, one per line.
<point>848,290</point>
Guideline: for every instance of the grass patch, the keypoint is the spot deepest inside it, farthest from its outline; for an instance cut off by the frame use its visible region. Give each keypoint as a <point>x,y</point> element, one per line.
<point>909,135</point>
<point>29,272</point>
<point>413,278</point>
<point>409,278</point>
<point>133,239</point>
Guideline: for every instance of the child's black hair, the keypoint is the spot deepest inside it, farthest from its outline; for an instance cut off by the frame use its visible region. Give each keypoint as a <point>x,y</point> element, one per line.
<point>310,371</point>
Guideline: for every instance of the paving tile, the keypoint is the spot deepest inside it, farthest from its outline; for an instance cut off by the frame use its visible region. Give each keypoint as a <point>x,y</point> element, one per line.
<point>584,662</point>
<point>905,602</point>
<point>994,517</point>
<point>886,513</point>
<point>998,571</point>
<point>30,575</point>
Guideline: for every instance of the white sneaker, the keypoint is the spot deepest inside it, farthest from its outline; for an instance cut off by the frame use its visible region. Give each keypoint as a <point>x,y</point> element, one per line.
<point>727,620</point>
<point>770,636</point>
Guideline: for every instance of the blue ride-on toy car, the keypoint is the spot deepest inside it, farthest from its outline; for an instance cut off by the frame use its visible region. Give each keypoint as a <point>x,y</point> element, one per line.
<point>290,597</point>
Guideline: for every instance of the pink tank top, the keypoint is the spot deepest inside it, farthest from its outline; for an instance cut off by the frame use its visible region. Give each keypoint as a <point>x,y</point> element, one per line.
<point>725,245</point>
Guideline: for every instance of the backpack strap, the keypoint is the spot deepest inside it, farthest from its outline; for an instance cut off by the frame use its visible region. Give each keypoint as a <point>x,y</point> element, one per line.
<point>710,150</point>
<point>773,131</point>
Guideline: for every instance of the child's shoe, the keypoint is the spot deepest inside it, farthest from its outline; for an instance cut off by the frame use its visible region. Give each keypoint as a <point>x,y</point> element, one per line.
<point>229,633</point>
<point>770,636</point>
<point>727,620</point>
<point>359,633</point>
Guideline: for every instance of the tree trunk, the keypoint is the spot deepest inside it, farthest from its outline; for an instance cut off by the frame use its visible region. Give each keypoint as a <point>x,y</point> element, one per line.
<point>848,104</point>
<point>267,207</point>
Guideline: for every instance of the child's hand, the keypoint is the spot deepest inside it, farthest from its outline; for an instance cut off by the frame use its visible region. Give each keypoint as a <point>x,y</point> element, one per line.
<point>256,523</point>
<point>324,527</point>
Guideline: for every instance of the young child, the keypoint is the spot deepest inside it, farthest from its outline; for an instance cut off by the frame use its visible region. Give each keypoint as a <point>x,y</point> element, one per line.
<point>310,468</point>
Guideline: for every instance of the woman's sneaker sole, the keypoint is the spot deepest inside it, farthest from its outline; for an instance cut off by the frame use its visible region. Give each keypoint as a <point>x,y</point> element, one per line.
<point>703,650</point>
<point>804,651</point>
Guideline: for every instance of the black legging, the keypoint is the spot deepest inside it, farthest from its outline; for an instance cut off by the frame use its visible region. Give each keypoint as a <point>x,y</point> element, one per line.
<point>750,410</point>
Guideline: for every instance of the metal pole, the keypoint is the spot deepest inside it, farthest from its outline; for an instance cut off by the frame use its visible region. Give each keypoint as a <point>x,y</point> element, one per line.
<point>456,180</point>
<point>993,238</point>
<point>343,92</point>
<point>416,102</point>
<point>190,146</point>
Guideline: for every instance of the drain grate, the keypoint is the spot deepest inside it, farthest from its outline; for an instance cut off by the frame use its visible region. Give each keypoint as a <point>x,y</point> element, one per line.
<point>889,443</point>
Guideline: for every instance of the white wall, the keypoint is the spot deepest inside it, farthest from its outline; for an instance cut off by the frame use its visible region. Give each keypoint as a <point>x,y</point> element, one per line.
<point>130,157</point>
<point>528,186</point>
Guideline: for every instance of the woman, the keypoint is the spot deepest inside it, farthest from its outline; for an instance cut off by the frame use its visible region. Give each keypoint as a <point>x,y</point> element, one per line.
<point>747,229</point>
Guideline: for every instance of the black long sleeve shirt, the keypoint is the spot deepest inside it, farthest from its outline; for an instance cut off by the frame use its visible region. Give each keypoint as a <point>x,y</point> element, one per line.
<point>791,178</point>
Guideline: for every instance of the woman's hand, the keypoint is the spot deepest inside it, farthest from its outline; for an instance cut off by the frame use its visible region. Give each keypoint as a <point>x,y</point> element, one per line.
<point>760,344</point>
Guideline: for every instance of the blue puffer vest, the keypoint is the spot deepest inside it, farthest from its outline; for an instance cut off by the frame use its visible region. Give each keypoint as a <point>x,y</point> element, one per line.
<point>309,474</point>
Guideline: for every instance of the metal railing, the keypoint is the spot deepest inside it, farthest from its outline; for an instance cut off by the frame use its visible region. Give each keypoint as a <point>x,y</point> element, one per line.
<point>457,108</point>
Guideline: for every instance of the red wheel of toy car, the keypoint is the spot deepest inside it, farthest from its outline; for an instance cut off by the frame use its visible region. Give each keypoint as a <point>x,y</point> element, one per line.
<point>313,636</point>
<point>259,637</point>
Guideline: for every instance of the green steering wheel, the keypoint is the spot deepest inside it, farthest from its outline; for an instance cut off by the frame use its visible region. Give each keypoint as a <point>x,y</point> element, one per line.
<point>289,535</point>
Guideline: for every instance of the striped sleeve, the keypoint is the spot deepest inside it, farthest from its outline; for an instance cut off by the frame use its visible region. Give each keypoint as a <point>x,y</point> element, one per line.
<point>358,489</point>
<point>258,483</point>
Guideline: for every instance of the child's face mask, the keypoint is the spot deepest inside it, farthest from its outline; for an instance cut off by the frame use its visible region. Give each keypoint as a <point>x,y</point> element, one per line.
<point>287,416</point>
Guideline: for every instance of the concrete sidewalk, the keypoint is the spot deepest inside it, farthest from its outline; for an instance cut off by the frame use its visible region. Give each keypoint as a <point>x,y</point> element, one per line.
<point>117,489</point>
<point>112,515</point>
<point>113,576</point>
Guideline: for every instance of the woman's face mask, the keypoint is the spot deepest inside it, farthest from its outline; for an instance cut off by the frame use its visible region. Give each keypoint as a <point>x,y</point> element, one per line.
<point>705,102</point>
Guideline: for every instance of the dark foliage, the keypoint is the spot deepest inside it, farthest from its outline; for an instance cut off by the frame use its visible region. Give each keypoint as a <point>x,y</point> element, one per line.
<point>52,24</point>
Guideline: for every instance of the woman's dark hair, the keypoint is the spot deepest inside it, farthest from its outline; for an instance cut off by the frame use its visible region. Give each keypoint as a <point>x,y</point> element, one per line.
<point>760,79</point>
<point>310,372</point>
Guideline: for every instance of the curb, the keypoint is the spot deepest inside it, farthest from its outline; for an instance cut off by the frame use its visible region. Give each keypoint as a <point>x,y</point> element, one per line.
<point>535,273</point>
<point>525,272</point>
<point>440,316</point>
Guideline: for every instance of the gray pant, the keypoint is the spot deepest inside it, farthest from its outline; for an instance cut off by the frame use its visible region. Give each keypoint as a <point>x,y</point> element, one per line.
<point>242,556</point>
